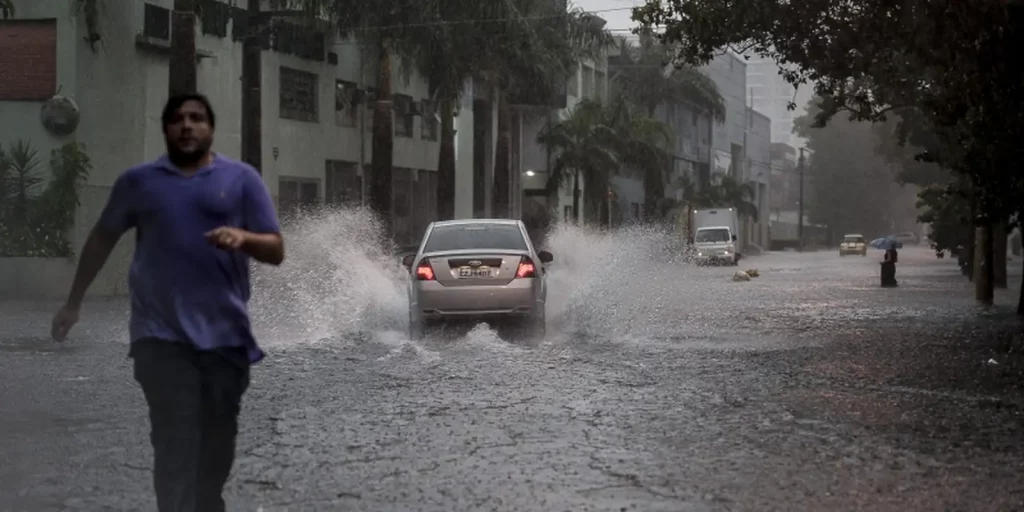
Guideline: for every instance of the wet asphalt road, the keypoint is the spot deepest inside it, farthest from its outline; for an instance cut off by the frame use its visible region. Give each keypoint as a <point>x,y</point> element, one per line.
<point>668,388</point>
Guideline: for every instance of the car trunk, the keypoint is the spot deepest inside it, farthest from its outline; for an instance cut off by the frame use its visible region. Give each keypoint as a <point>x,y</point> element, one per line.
<point>489,268</point>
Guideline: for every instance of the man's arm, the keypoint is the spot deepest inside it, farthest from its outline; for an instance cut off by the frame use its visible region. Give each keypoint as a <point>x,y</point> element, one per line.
<point>264,247</point>
<point>94,255</point>
<point>263,241</point>
<point>117,217</point>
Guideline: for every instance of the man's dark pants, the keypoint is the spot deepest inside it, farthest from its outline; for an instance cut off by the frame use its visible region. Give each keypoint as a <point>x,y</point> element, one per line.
<point>194,399</point>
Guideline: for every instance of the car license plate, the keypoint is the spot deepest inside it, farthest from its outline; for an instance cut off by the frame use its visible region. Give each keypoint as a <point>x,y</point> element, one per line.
<point>470,272</point>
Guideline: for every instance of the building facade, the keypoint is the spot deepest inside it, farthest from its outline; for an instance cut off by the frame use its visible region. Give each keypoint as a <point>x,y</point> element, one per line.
<point>729,72</point>
<point>316,122</point>
<point>772,95</point>
<point>759,141</point>
<point>589,80</point>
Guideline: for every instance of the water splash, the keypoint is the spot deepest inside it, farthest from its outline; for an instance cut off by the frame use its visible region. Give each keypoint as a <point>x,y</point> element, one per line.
<point>623,284</point>
<point>338,280</point>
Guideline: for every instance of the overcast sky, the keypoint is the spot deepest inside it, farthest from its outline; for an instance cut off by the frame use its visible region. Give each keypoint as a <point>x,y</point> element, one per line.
<point>616,12</point>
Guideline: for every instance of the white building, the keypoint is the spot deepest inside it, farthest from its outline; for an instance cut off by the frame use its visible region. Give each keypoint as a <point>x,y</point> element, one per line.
<point>759,148</point>
<point>729,73</point>
<point>772,95</point>
<point>316,135</point>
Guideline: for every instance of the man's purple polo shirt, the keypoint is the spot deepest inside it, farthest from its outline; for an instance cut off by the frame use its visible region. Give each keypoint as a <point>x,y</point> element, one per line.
<point>183,289</point>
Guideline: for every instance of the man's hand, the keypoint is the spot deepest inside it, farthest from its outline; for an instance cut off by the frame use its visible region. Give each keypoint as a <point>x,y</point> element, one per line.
<point>66,317</point>
<point>228,238</point>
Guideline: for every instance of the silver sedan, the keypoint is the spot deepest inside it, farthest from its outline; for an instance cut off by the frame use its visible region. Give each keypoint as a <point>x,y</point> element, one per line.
<point>477,270</point>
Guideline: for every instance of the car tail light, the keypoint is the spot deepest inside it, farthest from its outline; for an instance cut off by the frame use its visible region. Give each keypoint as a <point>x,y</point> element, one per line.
<point>424,272</point>
<point>526,268</point>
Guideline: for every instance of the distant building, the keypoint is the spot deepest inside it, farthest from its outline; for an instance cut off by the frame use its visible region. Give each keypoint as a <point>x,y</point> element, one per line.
<point>772,95</point>
<point>729,73</point>
<point>785,180</point>
<point>759,144</point>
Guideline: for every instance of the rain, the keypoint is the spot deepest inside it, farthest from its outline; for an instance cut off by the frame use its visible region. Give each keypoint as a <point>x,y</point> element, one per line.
<point>770,368</point>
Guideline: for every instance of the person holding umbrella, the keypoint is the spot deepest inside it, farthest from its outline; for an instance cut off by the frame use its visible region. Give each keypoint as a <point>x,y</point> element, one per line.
<point>888,264</point>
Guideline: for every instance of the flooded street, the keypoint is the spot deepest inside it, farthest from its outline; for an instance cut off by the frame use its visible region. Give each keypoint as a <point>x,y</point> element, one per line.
<point>660,386</point>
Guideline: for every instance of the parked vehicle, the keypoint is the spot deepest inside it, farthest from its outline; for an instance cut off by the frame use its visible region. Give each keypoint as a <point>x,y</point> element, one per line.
<point>715,236</point>
<point>477,270</point>
<point>853,244</point>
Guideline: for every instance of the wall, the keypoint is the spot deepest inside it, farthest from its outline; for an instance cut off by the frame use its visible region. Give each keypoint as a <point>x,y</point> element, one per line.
<point>729,72</point>
<point>759,142</point>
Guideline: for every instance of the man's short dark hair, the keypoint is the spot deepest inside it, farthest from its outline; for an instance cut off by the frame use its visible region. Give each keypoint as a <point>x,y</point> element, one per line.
<point>175,102</point>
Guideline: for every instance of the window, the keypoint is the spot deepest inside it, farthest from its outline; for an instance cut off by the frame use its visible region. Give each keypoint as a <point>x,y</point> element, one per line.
<point>476,236</point>
<point>343,185</point>
<point>429,121</point>
<point>156,22</point>
<point>713,235</point>
<point>345,106</point>
<point>404,117</point>
<point>29,60</point>
<point>298,95</point>
<point>296,194</point>
<point>215,17</point>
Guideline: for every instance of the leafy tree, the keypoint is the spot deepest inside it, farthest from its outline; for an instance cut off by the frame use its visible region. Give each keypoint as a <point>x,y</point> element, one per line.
<point>523,49</point>
<point>851,187</point>
<point>644,74</point>
<point>583,144</point>
<point>597,142</point>
<point>953,62</point>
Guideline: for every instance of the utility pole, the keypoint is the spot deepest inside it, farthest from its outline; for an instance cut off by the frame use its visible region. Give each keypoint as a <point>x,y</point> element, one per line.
<point>800,204</point>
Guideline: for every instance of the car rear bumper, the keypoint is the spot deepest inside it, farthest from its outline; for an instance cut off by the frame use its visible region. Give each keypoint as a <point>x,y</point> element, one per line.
<point>519,298</point>
<point>716,258</point>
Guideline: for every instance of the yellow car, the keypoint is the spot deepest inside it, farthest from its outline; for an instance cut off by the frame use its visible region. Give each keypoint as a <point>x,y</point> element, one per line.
<point>853,244</point>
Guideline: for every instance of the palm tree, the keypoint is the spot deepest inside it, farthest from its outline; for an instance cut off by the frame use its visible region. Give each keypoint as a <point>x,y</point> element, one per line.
<point>521,48</point>
<point>447,59</point>
<point>584,144</point>
<point>531,59</point>
<point>396,29</point>
<point>644,73</point>
<point>597,142</point>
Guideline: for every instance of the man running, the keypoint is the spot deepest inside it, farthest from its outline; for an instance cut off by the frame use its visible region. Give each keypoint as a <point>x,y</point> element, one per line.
<point>199,217</point>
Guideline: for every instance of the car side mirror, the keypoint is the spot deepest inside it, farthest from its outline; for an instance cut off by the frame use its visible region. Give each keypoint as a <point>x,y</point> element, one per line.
<point>734,238</point>
<point>408,260</point>
<point>545,257</point>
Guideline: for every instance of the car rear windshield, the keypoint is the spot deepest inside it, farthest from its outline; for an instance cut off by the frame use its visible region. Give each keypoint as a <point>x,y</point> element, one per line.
<point>475,236</point>
<point>712,235</point>
<point>853,239</point>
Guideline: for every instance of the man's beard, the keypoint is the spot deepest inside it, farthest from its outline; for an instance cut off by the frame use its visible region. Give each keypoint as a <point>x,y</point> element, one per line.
<point>186,158</point>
